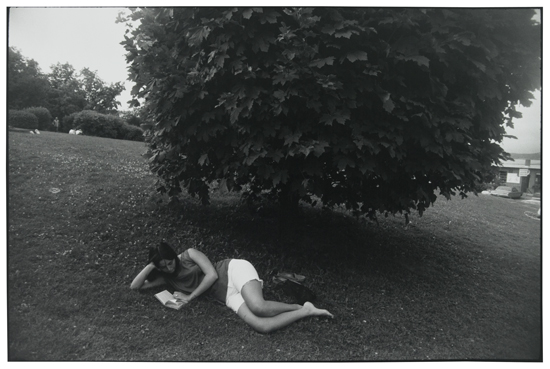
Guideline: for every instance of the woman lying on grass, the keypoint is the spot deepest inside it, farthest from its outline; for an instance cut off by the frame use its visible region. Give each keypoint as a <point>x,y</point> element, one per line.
<point>234,282</point>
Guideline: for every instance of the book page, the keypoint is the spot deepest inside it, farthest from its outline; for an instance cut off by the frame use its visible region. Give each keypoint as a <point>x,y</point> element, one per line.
<point>169,300</point>
<point>164,297</point>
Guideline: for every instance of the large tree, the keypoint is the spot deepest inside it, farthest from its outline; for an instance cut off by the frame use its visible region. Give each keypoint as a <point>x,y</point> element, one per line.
<point>378,109</point>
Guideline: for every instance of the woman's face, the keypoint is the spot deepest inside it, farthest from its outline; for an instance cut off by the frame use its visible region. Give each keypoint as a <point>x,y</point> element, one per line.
<point>167,266</point>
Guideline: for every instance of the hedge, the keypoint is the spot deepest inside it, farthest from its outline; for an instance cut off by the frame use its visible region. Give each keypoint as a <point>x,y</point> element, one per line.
<point>44,117</point>
<point>104,125</point>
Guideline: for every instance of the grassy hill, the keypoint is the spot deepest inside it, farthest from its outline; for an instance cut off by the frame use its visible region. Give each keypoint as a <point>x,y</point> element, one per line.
<point>463,282</point>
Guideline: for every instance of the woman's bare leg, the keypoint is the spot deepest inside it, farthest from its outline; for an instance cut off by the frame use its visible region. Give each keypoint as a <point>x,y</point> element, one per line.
<point>254,298</point>
<point>270,324</point>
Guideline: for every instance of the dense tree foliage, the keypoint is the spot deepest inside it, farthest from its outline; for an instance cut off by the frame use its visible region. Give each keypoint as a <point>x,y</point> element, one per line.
<point>73,92</point>
<point>100,97</point>
<point>66,95</point>
<point>135,116</point>
<point>374,108</point>
<point>27,85</point>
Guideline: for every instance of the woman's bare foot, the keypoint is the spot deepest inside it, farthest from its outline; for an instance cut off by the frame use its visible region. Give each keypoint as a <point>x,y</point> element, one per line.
<point>313,311</point>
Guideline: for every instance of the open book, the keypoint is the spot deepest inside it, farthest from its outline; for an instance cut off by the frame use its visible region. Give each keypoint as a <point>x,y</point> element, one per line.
<point>172,301</point>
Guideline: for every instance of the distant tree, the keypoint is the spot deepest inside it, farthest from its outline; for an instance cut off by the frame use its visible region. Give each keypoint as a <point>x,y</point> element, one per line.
<point>73,92</point>
<point>66,95</point>
<point>373,108</point>
<point>64,76</point>
<point>100,97</point>
<point>27,85</point>
<point>63,91</point>
<point>132,117</point>
<point>137,116</point>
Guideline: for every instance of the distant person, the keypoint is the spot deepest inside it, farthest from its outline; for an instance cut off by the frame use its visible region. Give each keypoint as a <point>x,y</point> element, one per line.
<point>56,124</point>
<point>234,282</point>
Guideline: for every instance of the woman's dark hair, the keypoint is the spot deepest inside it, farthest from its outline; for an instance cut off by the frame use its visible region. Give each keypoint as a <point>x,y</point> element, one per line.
<point>162,252</point>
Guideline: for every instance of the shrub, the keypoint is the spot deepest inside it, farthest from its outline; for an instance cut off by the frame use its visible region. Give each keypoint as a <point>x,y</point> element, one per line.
<point>22,119</point>
<point>132,133</point>
<point>67,123</point>
<point>483,187</point>
<point>105,125</point>
<point>131,117</point>
<point>495,183</point>
<point>96,124</point>
<point>117,125</point>
<point>133,120</point>
<point>44,117</point>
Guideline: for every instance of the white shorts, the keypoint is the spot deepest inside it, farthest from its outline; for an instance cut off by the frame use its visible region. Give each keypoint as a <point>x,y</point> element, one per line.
<point>238,274</point>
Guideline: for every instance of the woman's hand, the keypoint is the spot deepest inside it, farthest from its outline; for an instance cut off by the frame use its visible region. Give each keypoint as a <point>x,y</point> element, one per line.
<point>180,296</point>
<point>140,281</point>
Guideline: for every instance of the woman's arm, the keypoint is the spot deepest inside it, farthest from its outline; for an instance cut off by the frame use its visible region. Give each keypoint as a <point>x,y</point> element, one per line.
<point>140,281</point>
<point>210,274</point>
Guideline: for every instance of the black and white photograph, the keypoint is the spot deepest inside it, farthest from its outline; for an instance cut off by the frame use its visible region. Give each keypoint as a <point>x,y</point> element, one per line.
<point>315,183</point>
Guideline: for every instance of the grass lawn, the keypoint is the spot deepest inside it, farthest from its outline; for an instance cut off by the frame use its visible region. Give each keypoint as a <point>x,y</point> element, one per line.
<point>463,282</point>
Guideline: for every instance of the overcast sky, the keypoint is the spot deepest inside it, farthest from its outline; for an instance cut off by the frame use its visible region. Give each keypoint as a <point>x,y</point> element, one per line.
<point>89,37</point>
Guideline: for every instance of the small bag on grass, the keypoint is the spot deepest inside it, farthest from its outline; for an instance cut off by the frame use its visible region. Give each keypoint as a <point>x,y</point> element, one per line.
<point>298,291</point>
<point>290,284</point>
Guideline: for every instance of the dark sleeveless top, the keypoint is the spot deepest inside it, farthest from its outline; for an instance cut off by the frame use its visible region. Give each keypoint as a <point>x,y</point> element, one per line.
<point>191,275</point>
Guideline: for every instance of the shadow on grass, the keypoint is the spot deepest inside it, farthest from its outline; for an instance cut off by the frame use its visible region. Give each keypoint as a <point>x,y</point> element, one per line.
<point>323,239</point>
<point>427,282</point>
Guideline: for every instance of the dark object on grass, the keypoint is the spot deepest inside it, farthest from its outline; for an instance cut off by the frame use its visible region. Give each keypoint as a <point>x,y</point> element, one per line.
<point>282,276</point>
<point>298,291</point>
<point>291,285</point>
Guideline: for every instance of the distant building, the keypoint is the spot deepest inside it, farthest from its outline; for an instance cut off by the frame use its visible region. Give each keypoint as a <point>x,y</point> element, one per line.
<point>525,174</point>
